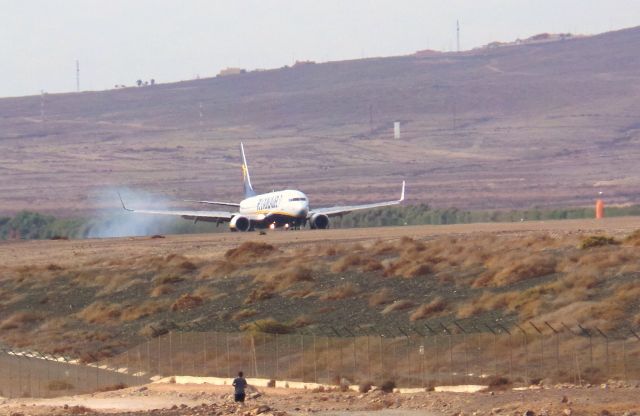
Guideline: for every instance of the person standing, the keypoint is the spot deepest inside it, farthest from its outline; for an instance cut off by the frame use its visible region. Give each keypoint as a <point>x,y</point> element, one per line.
<point>239,383</point>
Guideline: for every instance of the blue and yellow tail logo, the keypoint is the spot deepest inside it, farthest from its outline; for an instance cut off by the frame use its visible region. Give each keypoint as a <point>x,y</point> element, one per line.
<point>246,179</point>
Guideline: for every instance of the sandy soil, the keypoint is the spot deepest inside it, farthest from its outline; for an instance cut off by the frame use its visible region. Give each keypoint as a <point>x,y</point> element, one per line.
<point>17,253</point>
<point>172,399</point>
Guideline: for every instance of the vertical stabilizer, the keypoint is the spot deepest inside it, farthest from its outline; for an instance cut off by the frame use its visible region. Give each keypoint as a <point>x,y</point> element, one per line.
<point>246,179</point>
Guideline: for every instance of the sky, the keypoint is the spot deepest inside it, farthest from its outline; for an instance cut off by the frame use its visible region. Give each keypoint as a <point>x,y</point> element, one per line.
<point>117,42</point>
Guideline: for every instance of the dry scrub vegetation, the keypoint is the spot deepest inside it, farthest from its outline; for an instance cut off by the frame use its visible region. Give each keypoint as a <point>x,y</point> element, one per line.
<point>102,305</point>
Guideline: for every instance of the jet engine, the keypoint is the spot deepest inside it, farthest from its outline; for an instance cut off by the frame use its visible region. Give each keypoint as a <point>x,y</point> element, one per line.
<point>240,223</point>
<point>319,221</point>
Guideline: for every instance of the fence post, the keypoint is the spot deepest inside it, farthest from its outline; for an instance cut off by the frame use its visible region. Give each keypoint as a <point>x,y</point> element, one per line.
<point>226,336</point>
<point>290,360</point>
<point>495,349</point>
<point>588,333</point>
<point>577,378</point>
<point>97,375</point>
<point>381,361</point>
<point>437,362</point>
<point>635,335</point>
<point>556,336</point>
<point>216,367</point>
<point>466,350</point>
<point>159,355</point>
<point>181,351</point>
<point>204,354</point>
<point>302,354</point>
<point>541,349</point>
<point>354,376</point>
<point>326,358</point>
<point>450,353</point>
<point>421,354</point>
<point>171,353</point>
<point>436,353</point>
<point>277,375</point>
<point>525,342</point>
<point>149,357</point>
<point>355,361</point>
<point>624,358</point>
<point>368,358</point>
<point>606,351</point>
<point>510,351</point>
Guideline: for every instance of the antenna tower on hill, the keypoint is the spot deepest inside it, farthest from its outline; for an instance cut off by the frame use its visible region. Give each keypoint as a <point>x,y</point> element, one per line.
<point>77,75</point>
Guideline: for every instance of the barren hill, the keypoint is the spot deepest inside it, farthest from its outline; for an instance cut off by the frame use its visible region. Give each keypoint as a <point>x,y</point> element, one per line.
<point>110,294</point>
<point>513,126</point>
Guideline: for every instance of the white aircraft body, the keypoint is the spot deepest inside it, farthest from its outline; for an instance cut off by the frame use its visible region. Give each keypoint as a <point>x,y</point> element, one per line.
<point>288,208</point>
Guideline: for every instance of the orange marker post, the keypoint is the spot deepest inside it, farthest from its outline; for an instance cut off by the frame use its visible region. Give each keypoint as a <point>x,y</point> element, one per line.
<point>599,209</point>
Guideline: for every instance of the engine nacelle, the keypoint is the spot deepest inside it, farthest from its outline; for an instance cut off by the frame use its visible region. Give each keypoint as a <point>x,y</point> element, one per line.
<point>319,221</point>
<point>240,223</point>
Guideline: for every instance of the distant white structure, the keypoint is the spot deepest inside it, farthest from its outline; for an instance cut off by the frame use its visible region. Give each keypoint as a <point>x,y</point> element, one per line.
<point>396,129</point>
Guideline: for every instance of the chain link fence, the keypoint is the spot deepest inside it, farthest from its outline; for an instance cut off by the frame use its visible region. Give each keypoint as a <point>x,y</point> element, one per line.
<point>420,357</point>
<point>30,374</point>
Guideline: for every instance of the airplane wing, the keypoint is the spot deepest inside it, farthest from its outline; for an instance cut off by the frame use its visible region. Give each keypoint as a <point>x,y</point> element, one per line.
<point>332,211</point>
<point>209,216</point>
<point>228,204</point>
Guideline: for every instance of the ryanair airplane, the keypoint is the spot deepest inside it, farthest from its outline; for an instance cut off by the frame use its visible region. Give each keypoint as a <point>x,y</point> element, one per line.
<point>288,209</point>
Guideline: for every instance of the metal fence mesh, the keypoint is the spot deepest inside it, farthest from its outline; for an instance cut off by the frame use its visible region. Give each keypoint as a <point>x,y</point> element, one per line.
<point>412,360</point>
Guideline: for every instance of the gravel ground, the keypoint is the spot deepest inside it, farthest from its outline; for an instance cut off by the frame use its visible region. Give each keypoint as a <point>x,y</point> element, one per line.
<point>186,400</point>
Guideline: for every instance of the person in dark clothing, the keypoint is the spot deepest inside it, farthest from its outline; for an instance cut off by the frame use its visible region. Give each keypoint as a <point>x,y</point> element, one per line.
<point>239,383</point>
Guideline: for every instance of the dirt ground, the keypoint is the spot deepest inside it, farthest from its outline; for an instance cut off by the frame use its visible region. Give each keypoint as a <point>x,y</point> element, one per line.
<point>172,399</point>
<point>205,246</point>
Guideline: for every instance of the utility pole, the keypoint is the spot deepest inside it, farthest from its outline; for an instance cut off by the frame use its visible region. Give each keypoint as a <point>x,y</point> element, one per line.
<point>42,105</point>
<point>77,75</point>
<point>457,36</point>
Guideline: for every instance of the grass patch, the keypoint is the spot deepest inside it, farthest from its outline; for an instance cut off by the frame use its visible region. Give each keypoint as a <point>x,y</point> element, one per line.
<point>397,305</point>
<point>356,261</point>
<point>20,320</point>
<point>597,241</point>
<point>161,290</point>
<point>427,310</point>
<point>249,251</point>
<point>186,302</point>
<point>283,278</point>
<point>101,312</point>
<point>381,297</point>
<point>258,294</point>
<point>243,314</point>
<point>344,291</point>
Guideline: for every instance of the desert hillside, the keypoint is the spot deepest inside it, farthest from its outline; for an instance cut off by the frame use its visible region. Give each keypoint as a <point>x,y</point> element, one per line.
<point>548,123</point>
<point>111,294</point>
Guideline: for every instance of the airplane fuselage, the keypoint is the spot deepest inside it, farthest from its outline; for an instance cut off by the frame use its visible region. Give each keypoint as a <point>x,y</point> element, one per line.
<point>279,208</point>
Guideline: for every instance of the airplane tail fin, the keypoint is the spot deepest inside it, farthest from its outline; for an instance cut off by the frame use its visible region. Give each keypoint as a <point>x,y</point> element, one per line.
<point>246,179</point>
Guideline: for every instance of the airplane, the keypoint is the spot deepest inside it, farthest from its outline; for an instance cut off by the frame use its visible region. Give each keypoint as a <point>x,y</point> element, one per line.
<point>287,209</point>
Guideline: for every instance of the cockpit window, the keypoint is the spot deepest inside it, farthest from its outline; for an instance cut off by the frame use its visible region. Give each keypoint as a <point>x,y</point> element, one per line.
<point>297,199</point>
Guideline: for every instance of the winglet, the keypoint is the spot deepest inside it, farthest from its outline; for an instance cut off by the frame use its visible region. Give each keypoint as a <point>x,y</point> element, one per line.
<point>402,193</point>
<point>122,202</point>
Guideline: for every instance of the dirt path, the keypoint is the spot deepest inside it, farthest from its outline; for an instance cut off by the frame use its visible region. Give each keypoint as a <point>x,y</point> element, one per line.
<point>63,252</point>
<point>174,399</point>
